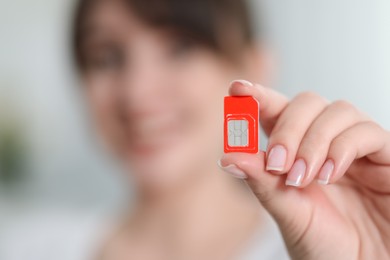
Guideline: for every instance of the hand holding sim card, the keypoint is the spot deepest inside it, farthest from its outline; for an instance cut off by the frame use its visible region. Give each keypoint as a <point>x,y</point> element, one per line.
<point>241,125</point>
<point>312,143</point>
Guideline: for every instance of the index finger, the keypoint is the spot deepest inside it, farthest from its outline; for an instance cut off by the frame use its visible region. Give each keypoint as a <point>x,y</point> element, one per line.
<point>271,102</point>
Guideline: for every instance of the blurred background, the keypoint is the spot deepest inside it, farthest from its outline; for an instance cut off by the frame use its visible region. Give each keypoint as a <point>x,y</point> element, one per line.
<point>49,157</point>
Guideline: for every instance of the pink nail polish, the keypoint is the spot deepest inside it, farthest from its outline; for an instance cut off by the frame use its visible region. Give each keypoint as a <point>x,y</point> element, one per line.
<point>243,82</point>
<point>233,170</point>
<point>326,172</point>
<point>296,174</point>
<point>277,159</point>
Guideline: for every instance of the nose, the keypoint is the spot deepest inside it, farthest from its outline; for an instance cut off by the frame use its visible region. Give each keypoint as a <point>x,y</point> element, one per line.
<point>143,82</point>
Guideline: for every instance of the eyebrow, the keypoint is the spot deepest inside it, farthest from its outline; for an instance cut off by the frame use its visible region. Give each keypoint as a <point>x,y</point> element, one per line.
<point>92,31</point>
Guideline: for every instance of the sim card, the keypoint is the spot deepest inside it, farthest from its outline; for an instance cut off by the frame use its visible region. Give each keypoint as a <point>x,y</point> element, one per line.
<point>241,125</point>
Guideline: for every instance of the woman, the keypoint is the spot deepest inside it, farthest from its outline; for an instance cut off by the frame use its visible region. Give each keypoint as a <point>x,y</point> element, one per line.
<point>155,75</point>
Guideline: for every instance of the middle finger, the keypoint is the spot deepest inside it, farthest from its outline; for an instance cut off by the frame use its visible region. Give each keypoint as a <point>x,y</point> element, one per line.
<point>289,130</point>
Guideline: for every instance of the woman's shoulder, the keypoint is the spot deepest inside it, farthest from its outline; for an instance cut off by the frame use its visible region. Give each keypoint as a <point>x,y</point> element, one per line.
<point>52,235</point>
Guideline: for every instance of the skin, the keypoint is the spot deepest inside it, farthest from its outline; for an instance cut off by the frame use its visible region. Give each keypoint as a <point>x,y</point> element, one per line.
<point>157,102</point>
<point>350,217</point>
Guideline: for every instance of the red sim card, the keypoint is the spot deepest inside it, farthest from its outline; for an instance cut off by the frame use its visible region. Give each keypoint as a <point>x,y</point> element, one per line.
<point>241,125</point>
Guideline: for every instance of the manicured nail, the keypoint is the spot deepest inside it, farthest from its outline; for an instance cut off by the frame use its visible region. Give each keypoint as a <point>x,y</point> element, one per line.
<point>277,159</point>
<point>233,170</point>
<point>296,174</point>
<point>326,172</point>
<point>243,82</point>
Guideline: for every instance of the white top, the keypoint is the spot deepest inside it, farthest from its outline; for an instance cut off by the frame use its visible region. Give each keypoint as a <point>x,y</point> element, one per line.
<point>62,236</point>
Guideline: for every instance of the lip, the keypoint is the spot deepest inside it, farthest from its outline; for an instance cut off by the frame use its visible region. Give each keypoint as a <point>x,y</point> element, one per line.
<point>140,148</point>
<point>151,140</point>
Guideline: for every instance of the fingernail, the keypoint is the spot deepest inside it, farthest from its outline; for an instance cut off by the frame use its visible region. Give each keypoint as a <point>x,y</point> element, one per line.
<point>233,170</point>
<point>277,159</point>
<point>243,82</point>
<point>296,174</point>
<point>326,172</point>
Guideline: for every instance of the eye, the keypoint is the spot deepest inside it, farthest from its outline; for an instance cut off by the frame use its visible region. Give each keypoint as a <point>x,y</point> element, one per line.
<point>106,59</point>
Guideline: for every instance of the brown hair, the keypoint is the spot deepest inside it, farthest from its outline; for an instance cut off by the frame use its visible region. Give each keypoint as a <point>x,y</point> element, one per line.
<point>222,25</point>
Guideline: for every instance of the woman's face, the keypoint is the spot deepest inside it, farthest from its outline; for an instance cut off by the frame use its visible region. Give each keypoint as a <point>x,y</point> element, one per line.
<point>157,97</point>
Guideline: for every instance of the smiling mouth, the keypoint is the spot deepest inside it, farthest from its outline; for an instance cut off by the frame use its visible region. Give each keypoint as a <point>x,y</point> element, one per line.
<point>150,135</point>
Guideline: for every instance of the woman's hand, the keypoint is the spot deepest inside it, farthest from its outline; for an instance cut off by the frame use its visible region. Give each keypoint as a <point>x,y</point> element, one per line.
<point>313,142</point>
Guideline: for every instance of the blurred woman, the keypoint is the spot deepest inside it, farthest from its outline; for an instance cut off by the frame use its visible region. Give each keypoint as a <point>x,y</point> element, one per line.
<point>155,75</point>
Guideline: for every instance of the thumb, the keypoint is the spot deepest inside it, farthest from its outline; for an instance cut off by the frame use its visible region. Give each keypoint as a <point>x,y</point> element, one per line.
<point>290,207</point>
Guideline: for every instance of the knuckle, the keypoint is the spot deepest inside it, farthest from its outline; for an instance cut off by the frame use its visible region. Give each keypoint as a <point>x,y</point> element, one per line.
<point>314,141</point>
<point>341,143</point>
<point>345,106</point>
<point>376,128</point>
<point>375,125</point>
<point>309,95</point>
<point>311,148</point>
<point>282,134</point>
